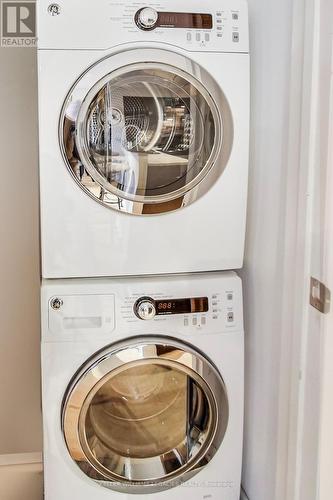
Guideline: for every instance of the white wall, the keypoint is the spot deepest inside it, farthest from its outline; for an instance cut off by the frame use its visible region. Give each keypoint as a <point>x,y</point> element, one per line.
<point>20,415</point>
<point>267,245</point>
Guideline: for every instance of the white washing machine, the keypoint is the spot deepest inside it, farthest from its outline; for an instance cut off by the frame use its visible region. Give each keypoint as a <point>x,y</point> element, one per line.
<point>143,388</point>
<point>144,131</point>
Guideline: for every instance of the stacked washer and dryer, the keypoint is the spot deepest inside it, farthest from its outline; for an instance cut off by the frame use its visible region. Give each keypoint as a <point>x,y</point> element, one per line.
<point>144,131</point>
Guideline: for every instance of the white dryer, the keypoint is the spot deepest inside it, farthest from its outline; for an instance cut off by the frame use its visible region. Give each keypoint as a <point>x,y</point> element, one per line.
<point>143,388</point>
<point>144,132</point>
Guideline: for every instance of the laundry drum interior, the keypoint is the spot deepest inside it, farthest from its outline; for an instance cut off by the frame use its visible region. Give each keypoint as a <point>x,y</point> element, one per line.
<point>145,133</point>
<point>152,419</point>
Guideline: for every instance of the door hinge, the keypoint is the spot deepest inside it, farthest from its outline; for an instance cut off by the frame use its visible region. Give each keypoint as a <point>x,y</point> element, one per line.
<point>320,296</point>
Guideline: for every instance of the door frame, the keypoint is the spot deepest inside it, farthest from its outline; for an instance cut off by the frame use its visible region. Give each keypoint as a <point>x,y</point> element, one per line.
<point>325,480</point>
<point>307,250</point>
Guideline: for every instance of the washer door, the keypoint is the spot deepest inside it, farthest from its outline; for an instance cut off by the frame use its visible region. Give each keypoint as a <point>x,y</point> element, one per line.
<point>145,414</point>
<point>144,136</point>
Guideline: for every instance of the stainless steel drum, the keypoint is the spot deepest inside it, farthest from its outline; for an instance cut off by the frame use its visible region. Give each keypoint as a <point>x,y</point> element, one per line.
<point>144,137</point>
<point>145,414</point>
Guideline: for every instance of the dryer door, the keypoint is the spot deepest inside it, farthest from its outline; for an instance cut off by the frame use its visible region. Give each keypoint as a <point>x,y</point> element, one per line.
<point>145,415</point>
<point>146,137</point>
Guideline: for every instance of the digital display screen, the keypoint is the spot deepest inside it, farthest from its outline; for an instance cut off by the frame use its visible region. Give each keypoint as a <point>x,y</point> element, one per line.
<point>185,20</point>
<point>181,306</point>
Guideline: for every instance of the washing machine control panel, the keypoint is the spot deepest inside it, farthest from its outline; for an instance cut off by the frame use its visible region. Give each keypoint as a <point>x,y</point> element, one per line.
<point>147,308</point>
<point>203,304</point>
<point>215,311</point>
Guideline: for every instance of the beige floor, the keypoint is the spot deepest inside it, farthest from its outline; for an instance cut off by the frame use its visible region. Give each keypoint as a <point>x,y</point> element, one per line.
<point>21,481</point>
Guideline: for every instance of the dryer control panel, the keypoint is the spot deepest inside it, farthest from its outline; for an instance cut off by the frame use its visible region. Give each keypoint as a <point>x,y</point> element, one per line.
<point>213,26</point>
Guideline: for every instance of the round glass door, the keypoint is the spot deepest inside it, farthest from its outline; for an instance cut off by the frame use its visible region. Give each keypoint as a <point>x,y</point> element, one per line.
<point>148,423</point>
<point>143,138</point>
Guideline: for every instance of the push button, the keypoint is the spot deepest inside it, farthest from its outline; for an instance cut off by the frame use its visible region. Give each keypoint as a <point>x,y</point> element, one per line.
<point>198,37</point>
<point>207,37</point>
<point>230,317</point>
<point>235,37</point>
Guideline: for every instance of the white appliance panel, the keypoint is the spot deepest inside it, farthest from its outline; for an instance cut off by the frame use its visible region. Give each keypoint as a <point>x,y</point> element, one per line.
<point>64,352</point>
<point>80,238</point>
<point>112,23</point>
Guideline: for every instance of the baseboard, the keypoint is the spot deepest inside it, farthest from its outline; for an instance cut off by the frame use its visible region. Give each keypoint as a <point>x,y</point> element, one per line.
<point>21,476</point>
<point>20,459</point>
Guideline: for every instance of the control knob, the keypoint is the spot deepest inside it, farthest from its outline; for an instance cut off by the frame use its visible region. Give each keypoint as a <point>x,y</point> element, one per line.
<point>147,18</point>
<point>145,309</point>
